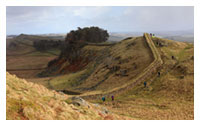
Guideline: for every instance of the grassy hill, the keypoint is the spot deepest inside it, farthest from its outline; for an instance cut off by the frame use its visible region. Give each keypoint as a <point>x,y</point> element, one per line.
<point>122,61</point>
<point>104,69</point>
<point>170,96</point>
<point>26,100</point>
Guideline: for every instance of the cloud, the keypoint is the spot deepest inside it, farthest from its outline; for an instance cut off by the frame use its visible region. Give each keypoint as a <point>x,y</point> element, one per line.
<point>131,18</point>
<point>91,12</point>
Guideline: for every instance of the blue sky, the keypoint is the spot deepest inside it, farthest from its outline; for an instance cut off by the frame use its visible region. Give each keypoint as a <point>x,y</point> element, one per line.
<point>41,20</point>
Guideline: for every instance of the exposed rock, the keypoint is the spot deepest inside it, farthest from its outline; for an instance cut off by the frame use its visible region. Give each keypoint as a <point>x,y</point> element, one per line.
<point>104,110</point>
<point>79,102</point>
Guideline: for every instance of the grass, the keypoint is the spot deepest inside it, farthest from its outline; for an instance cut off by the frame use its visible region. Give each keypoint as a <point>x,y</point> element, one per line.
<point>132,51</point>
<point>148,109</point>
<point>25,61</point>
<point>29,101</point>
<point>51,52</point>
<point>69,81</point>
<point>168,96</point>
<point>165,97</point>
<point>183,54</point>
<point>16,108</point>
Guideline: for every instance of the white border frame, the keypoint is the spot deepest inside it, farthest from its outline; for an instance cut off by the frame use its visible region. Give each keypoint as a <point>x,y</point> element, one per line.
<point>4,3</point>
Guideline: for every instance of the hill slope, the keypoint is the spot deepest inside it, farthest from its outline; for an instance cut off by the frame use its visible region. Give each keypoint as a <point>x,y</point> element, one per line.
<point>168,96</point>
<point>122,61</point>
<point>121,70</point>
<point>26,100</point>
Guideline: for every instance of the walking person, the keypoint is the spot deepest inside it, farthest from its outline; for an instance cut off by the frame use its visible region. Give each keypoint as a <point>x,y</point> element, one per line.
<point>158,74</point>
<point>153,35</point>
<point>145,84</point>
<point>103,99</point>
<point>112,98</point>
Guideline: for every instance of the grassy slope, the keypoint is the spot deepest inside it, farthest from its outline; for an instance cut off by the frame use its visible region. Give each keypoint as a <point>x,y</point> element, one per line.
<point>168,96</point>
<point>132,55</point>
<point>26,100</point>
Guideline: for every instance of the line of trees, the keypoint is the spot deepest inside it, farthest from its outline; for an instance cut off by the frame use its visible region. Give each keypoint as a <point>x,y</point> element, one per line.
<point>43,45</point>
<point>87,34</point>
<point>76,39</point>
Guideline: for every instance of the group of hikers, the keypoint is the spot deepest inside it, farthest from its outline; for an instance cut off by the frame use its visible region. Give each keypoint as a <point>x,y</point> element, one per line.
<point>152,35</point>
<point>104,98</point>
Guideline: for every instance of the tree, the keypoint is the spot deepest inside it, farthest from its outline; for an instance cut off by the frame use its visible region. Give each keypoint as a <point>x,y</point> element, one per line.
<point>77,39</point>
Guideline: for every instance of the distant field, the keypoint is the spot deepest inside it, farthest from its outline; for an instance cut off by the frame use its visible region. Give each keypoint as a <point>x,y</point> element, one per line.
<point>181,38</point>
<point>25,61</point>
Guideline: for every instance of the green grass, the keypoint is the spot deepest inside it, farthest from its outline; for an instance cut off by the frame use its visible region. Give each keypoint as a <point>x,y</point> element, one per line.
<point>167,97</point>
<point>51,52</point>
<point>70,80</point>
<point>183,54</point>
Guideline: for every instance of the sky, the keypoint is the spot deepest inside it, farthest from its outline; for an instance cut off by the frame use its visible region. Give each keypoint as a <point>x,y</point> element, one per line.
<point>52,19</point>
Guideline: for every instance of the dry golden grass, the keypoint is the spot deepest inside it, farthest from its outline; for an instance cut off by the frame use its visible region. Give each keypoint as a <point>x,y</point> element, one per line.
<point>132,53</point>
<point>134,56</point>
<point>26,100</point>
<point>142,108</point>
<point>170,96</point>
